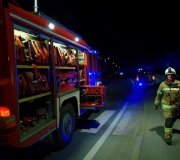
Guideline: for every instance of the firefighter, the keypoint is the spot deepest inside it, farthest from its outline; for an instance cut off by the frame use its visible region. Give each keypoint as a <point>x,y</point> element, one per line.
<point>168,94</point>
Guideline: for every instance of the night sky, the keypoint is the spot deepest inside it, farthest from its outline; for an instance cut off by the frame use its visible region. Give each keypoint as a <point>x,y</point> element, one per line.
<point>128,33</point>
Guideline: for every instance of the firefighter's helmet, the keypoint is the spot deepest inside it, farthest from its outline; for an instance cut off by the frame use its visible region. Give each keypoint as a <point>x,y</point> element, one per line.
<point>170,70</point>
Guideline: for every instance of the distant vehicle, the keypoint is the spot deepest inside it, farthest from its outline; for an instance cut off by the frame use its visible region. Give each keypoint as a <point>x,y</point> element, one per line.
<point>145,77</point>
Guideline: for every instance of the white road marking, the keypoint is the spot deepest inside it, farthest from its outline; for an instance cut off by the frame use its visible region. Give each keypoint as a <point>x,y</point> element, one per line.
<point>98,144</point>
<point>132,83</point>
<point>101,119</point>
<point>137,148</point>
<point>125,125</point>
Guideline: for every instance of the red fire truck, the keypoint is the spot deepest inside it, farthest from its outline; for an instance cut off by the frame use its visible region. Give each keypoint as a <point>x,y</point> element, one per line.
<point>48,76</point>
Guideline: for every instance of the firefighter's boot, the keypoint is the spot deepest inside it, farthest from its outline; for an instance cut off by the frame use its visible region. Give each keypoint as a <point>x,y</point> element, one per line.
<point>168,141</point>
<point>168,136</point>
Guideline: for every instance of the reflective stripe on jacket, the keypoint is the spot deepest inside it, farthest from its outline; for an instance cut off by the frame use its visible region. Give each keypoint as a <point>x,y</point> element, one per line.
<point>168,94</point>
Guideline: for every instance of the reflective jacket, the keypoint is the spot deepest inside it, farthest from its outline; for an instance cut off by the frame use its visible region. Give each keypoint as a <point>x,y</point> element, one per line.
<point>168,94</point>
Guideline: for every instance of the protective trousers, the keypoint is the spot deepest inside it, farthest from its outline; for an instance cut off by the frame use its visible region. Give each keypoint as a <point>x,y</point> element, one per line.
<point>170,116</point>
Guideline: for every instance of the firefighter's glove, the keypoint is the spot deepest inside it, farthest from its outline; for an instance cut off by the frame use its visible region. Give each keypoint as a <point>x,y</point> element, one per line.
<point>155,107</point>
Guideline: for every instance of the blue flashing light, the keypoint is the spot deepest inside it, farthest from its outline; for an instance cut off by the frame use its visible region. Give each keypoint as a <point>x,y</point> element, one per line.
<point>90,73</point>
<point>140,84</point>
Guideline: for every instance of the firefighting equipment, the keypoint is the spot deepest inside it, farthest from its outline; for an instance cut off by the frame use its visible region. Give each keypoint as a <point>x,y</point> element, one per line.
<point>20,56</point>
<point>36,53</point>
<point>39,49</point>
<point>61,55</point>
<point>170,71</point>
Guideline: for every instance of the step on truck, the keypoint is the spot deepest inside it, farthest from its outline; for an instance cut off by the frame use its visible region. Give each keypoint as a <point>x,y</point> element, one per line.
<point>49,76</point>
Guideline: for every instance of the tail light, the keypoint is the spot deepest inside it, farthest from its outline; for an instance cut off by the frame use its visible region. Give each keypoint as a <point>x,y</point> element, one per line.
<point>4,111</point>
<point>7,120</point>
<point>137,78</point>
<point>153,77</point>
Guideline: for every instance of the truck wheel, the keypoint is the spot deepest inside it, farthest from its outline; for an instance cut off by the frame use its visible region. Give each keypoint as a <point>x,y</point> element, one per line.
<point>64,135</point>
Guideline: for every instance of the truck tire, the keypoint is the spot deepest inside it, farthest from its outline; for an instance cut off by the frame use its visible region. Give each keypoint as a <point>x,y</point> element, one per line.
<point>64,135</point>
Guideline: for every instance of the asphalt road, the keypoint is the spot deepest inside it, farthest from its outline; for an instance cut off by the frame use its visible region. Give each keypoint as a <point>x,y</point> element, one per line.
<point>126,128</point>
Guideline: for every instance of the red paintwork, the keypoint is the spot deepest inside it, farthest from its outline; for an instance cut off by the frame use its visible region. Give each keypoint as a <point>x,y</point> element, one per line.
<point>44,23</point>
<point>8,71</point>
<point>13,139</point>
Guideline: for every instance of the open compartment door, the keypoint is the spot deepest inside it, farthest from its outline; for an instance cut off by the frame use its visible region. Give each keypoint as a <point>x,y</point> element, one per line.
<point>92,96</point>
